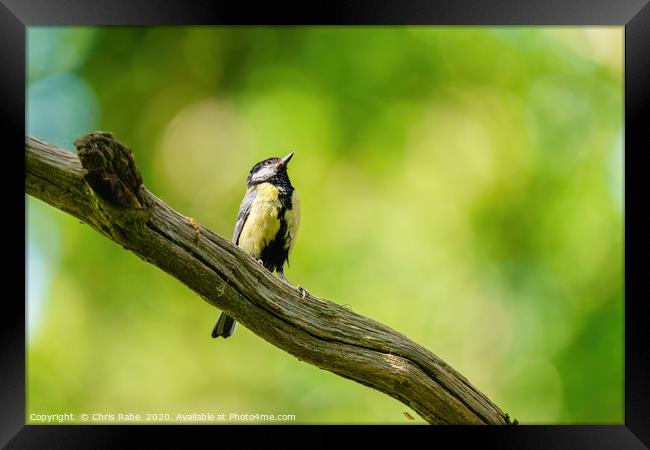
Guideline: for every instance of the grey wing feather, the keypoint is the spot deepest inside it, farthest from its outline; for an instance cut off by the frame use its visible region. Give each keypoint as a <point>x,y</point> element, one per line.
<point>244,210</point>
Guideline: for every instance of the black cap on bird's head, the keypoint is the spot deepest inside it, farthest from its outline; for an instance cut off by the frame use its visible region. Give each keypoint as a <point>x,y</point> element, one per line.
<point>269,170</point>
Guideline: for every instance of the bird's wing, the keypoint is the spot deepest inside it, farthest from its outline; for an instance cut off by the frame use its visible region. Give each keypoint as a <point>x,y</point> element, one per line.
<point>244,210</point>
<point>292,217</point>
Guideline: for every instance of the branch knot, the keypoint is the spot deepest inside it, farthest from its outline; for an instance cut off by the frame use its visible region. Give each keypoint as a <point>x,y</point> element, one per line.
<point>111,170</point>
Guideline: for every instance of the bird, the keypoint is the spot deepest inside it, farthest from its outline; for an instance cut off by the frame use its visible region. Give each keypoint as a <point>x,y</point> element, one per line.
<point>267,224</point>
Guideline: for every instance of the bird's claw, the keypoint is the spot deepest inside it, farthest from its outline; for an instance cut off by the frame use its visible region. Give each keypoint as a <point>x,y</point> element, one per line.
<point>302,290</point>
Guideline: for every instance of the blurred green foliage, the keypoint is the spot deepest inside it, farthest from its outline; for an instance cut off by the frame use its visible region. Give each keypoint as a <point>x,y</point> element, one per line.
<point>460,184</point>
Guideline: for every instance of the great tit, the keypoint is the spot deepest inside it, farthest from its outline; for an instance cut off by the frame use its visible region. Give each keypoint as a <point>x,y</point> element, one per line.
<point>267,223</point>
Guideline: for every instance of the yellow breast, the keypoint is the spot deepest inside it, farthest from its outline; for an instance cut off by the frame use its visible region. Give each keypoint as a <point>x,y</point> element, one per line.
<point>262,223</point>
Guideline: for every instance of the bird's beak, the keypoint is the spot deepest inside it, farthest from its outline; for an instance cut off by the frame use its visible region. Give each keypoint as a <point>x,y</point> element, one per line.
<point>284,161</point>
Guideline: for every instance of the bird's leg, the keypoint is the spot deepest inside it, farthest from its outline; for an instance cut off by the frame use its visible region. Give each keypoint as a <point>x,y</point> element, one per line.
<point>302,290</point>
<point>282,277</point>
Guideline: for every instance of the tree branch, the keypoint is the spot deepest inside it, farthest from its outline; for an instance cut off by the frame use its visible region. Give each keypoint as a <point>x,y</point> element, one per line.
<point>102,187</point>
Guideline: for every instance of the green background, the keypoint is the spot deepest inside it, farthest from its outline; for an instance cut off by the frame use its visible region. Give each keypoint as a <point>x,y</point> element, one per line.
<point>462,185</point>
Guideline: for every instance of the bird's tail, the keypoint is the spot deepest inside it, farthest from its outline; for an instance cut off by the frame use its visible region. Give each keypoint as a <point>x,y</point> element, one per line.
<point>225,326</point>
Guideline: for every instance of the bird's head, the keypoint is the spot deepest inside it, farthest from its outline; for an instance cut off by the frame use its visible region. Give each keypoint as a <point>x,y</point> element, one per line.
<point>268,169</point>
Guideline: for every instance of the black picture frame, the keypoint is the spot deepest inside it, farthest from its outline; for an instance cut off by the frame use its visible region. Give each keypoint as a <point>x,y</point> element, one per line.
<point>634,15</point>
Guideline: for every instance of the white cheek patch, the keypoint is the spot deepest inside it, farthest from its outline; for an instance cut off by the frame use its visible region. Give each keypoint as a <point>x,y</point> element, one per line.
<point>264,173</point>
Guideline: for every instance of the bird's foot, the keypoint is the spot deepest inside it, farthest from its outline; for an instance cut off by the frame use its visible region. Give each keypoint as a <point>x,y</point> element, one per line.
<point>259,261</point>
<point>302,290</point>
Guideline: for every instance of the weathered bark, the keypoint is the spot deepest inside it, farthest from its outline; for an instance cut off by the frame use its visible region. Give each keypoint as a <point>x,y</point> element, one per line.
<point>102,187</point>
